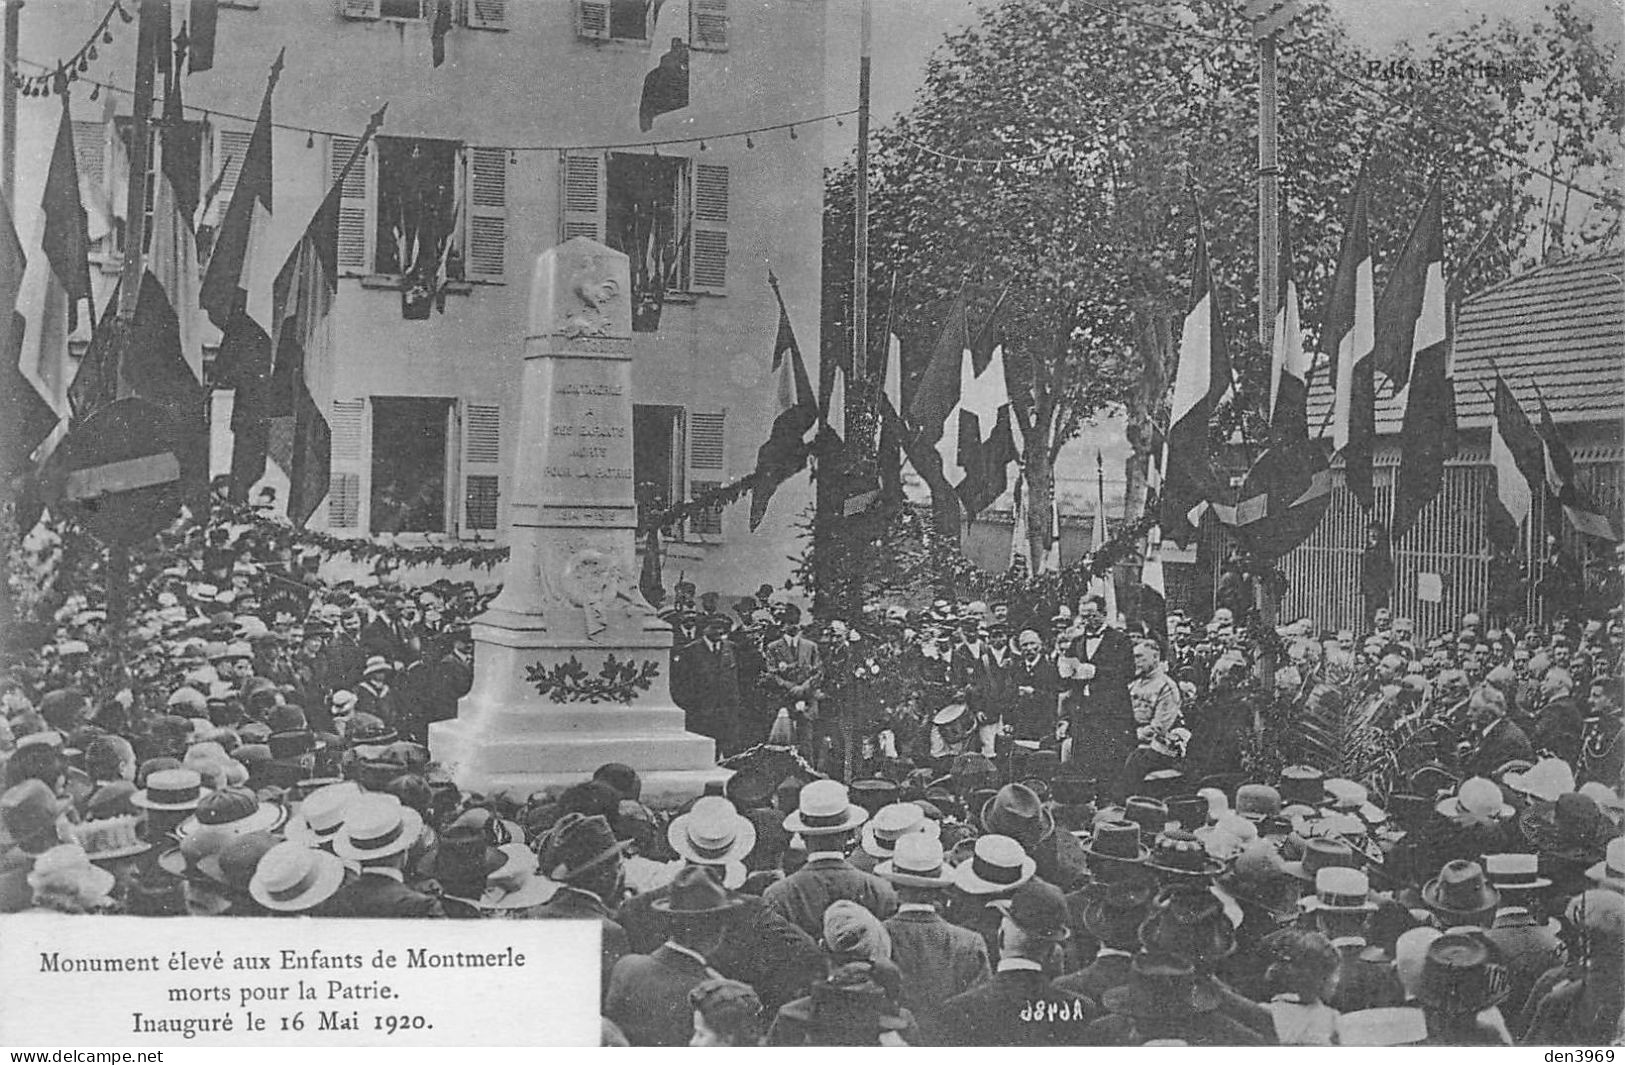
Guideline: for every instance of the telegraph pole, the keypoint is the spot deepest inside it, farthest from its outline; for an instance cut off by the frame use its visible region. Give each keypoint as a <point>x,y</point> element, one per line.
<point>8,108</point>
<point>860,199</point>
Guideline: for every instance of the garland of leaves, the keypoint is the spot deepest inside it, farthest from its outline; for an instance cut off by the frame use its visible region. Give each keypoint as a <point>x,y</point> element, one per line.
<point>618,680</point>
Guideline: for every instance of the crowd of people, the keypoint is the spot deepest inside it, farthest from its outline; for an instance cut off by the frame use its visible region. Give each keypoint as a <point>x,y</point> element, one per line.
<point>954,825</point>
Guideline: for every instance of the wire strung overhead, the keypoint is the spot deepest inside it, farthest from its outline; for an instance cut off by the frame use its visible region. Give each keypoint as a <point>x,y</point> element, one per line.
<point>705,140</point>
<point>56,76</point>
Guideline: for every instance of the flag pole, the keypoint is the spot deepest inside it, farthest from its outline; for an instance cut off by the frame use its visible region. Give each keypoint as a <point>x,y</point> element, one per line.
<point>135,226</point>
<point>860,219</point>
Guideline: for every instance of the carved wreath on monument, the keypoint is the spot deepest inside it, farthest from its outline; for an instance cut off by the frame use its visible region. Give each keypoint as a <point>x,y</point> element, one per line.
<point>617,681</point>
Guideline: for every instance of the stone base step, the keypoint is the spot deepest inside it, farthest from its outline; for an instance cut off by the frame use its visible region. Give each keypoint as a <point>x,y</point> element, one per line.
<point>662,788</point>
<point>476,754</point>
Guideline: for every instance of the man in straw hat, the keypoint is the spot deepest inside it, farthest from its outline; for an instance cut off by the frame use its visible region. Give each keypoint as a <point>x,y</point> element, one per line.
<point>648,993</point>
<point>827,820</point>
<point>377,833</point>
<point>1020,1006</point>
<point>938,960</point>
<point>293,879</point>
<point>760,946</point>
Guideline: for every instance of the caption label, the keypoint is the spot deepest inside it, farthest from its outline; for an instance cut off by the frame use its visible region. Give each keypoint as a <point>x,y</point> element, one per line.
<point>107,981</point>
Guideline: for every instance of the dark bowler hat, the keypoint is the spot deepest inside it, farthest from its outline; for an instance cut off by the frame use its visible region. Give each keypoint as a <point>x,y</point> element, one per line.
<point>1149,813</point>
<point>874,793</point>
<point>1462,975</point>
<point>695,894</point>
<point>1114,843</point>
<point>1016,811</point>
<point>577,844</point>
<point>1189,810</point>
<point>463,853</point>
<point>1039,909</point>
<point>1321,852</point>
<point>1303,784</point>
<point>1161,986</point>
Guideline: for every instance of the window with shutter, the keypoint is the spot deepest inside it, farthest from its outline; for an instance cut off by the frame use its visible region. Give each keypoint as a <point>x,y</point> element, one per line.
<point>706,441</point>
<point>708,255</point>
<point>355,204</point>
<point>592,19</point>
<point>707,458</point>
<point>581,195</point>
<point>485,14</point>
<point>230,145</point>
<point>90,152</point>
<point>348,464</point>
<point>708,29</point>
<point>482,466</point>
<point>487,184</point>
<point>359,9</point>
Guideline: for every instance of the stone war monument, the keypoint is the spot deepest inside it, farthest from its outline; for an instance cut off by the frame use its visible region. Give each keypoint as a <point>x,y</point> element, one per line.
<point>571,664</point>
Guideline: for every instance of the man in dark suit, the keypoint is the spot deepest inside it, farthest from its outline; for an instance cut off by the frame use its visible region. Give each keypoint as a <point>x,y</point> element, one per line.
<point>705,683</point>
<point>1494,740</point>
<point>648,993</point>
<point>938,960</point>
<point>792,675</point>
<point>1098,668</point>
<point>451,677</point>
<point>1559,723</point>
<point>826,820</point>
<point>1033,684</point>
<point>341,661</point>
<point>1019,1006</point>
<point>583,856</point>
<point>759,946</point>
<point>377,833</point>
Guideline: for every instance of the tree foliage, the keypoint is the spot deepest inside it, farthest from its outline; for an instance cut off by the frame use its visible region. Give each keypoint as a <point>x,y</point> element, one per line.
<point>1112,122</point>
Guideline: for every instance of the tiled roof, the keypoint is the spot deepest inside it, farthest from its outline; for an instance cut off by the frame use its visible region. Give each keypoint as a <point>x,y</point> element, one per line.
<point>1560,326</point>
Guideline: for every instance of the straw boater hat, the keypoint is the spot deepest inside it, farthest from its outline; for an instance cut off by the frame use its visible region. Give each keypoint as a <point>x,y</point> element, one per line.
<point>823,809</point>
<point>322,813</point>
<point>170,789</point>
<point>1340,890</point>
<point>291,877</point>
<point>712,832</point>
<point>890,824</point>
<point>1515,872</point>
<point>377,826</point>
<point>917,861</point>
<point>1610,872</point>
<point>997,865</point>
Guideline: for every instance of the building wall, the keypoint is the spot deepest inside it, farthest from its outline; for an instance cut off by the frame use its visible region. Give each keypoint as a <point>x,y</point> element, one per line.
<point>539,83</point>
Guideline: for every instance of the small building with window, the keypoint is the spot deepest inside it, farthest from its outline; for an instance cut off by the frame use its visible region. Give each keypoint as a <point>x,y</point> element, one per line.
<point>527,135</point>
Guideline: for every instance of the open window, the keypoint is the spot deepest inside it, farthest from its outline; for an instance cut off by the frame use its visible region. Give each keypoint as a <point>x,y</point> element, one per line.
<point>410,458</point>
<point>104,172</point>
<point>419,208</point>
<point>657,456</point>
<point>669,215</point>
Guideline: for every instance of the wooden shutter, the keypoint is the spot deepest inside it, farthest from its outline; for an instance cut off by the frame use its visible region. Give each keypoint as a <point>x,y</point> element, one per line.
<point>90,152</point>
<point>485,255</point>
<point>482,468</point>
<point>708,257</point>
<point>348,468</point>
<point>707,461</point>
<point>582,195</point>
<point>485,14</point>
<point>358,9</point>
<point>355,204</point>
<point>230,146</point>
<point>708,28</point>
<point>592,19</point>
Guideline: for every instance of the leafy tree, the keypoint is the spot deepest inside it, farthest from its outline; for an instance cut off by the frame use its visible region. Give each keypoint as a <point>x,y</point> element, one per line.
<point>1112,122</point>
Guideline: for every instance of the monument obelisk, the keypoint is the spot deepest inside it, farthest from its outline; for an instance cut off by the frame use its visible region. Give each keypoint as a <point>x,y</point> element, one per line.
<point>570,600</point>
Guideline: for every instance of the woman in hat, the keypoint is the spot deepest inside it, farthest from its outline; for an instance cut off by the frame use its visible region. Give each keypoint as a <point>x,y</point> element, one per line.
<point>856,1005</point>
<point>1461,979</point>
<point>1583,1002</point>
<point>63,880</point>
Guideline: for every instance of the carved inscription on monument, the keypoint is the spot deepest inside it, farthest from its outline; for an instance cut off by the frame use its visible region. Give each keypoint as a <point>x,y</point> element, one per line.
<point>589,456</point>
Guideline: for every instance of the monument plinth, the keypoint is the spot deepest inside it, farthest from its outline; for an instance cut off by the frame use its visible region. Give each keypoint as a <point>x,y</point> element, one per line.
<point>570,601</point>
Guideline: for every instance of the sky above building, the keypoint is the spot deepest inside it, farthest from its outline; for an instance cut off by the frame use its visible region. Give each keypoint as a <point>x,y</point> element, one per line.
<point>906,32</point>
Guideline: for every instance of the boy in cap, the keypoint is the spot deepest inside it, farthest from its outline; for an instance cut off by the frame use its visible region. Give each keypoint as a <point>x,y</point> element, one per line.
<point>1019,1006</point>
